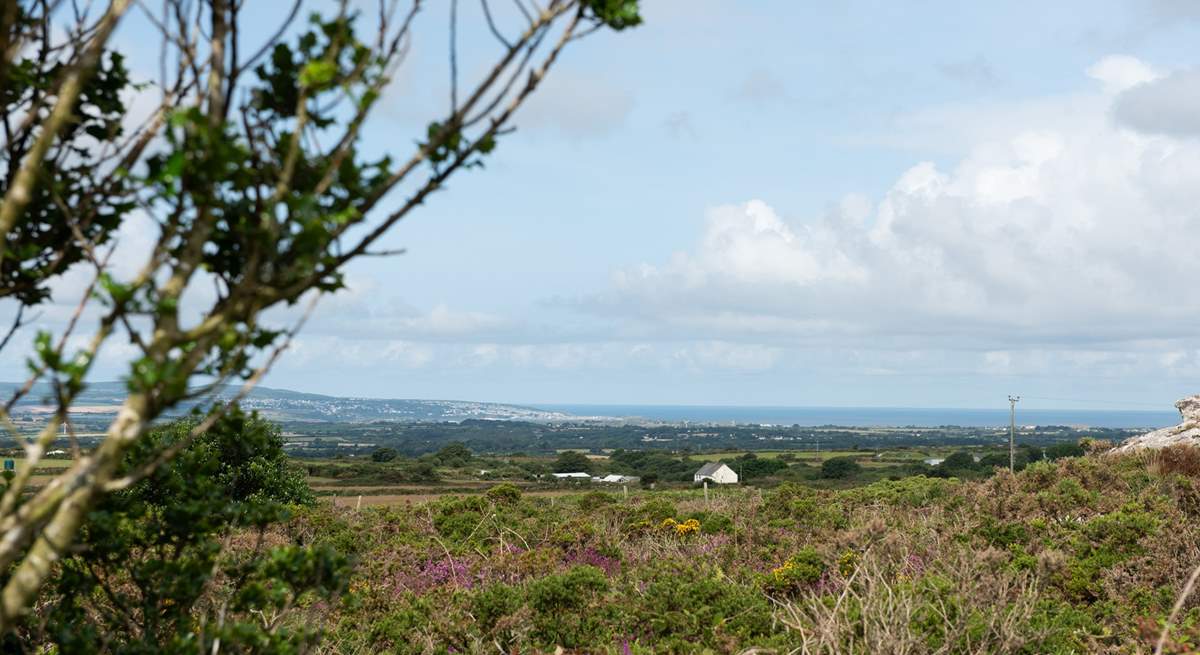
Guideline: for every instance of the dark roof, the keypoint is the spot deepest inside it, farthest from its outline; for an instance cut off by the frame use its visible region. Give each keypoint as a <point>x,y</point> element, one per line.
<point>710,468</point>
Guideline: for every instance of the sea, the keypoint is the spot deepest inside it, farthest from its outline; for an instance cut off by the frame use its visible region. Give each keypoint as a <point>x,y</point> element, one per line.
<point>875,416</point>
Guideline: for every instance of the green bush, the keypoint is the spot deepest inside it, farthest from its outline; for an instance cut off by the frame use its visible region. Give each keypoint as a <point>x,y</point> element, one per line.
<point>799,506</point>
<point>458,518</point>
<point>504,494</point>
<point>492,603</point>
<point>961,460</point>
<point>564,607</point>
<point>802,569</point>
<point>1104,542</point>
<point>161,545</point>
<point>840,468</point>
<point>913,491</point>
<point>384,455</point>
<point>688,609</point>
<point>656,510</point>
<point>594,500</point>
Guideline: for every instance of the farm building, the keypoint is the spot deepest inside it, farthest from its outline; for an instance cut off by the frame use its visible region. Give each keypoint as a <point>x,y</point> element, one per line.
<point>616,479</point>
<point>573,476</point>
<point>716,472</point>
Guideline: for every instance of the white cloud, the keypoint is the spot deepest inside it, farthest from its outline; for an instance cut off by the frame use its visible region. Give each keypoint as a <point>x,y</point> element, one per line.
<point>725,355</point>
<point>1120,72</point>
<point>1169,105</point>
<point>1049,231</point>
<point>365,310</point>
<point>314,352</point>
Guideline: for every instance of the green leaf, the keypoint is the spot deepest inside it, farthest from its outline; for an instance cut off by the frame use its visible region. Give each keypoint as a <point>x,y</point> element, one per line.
<point>616,14</point>
<point>317,74</point>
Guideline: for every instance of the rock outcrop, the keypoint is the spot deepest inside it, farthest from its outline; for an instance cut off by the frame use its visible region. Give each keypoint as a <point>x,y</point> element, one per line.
<point>1186,433</point>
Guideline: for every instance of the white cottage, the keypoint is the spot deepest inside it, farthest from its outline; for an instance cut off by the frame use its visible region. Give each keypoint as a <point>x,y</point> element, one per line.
<point>716,472</point>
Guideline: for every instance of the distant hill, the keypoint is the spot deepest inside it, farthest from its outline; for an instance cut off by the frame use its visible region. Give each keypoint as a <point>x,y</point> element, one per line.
<point>102,398</point>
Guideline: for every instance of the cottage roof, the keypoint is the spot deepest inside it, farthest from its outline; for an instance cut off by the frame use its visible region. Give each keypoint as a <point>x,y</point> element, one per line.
<point>710,468</point>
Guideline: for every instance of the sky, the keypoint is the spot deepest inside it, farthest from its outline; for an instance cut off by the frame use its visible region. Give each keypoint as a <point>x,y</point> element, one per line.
<point>930,204</point>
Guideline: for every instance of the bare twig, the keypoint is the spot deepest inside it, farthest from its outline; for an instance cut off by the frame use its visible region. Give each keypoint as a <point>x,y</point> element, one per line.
<point>1179,602</point>
<point>16,325</point>
<point>487,13</point>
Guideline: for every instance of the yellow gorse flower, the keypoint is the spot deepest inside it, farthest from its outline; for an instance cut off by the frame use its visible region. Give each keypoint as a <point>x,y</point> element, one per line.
<point>690,526</point>
<point>781,572</point>
<point>848,562</point>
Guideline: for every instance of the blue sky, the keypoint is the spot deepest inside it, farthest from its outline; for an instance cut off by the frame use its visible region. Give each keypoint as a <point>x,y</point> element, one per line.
<point>928,203</point>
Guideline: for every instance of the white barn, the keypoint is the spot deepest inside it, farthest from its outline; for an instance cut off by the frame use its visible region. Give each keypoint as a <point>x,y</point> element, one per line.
<point>716,472</point>
<point>616,479</point>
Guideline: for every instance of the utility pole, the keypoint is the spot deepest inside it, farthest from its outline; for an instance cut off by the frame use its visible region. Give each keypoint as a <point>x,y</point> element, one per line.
<point>1012,432</point>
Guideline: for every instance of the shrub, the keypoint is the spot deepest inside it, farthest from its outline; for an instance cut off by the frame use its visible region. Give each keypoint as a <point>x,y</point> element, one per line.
<point>961,460</point>
<point>1002,534</point>
<point>840,468</point>
<point>803,507</point>
<point>1065,449</point>
<point>656,510</point>
<point>504,494</point>
<point>594,500</point>
<point>383,455</point>
<point>458,518</point>
<point>1102,543</point>
<point>802,569</point>
<point>572,462</point>
<point>494,602</point>
<point>454,455</point>
<point>562,606</point>
<point>713,523</point>
<point>916,491</point>
<point>163,547</point>
<point>688,609</point>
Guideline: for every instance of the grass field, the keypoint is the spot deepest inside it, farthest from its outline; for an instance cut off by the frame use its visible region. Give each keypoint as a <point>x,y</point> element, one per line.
<point>372,480</point>
<point>20,462</point>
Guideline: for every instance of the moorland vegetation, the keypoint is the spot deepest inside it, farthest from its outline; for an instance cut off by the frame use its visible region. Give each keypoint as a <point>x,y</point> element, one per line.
<point>1083,554</point>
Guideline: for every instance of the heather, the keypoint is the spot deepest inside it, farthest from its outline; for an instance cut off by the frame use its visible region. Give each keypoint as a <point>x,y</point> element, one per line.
<point>1080,555</point>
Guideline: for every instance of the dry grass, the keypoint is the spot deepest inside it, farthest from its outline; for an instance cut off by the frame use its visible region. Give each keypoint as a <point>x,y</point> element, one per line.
<point>975,608</point>
<point>1175,460</point>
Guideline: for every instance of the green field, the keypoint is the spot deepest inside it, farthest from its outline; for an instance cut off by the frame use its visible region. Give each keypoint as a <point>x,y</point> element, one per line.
<point>20,462</point>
